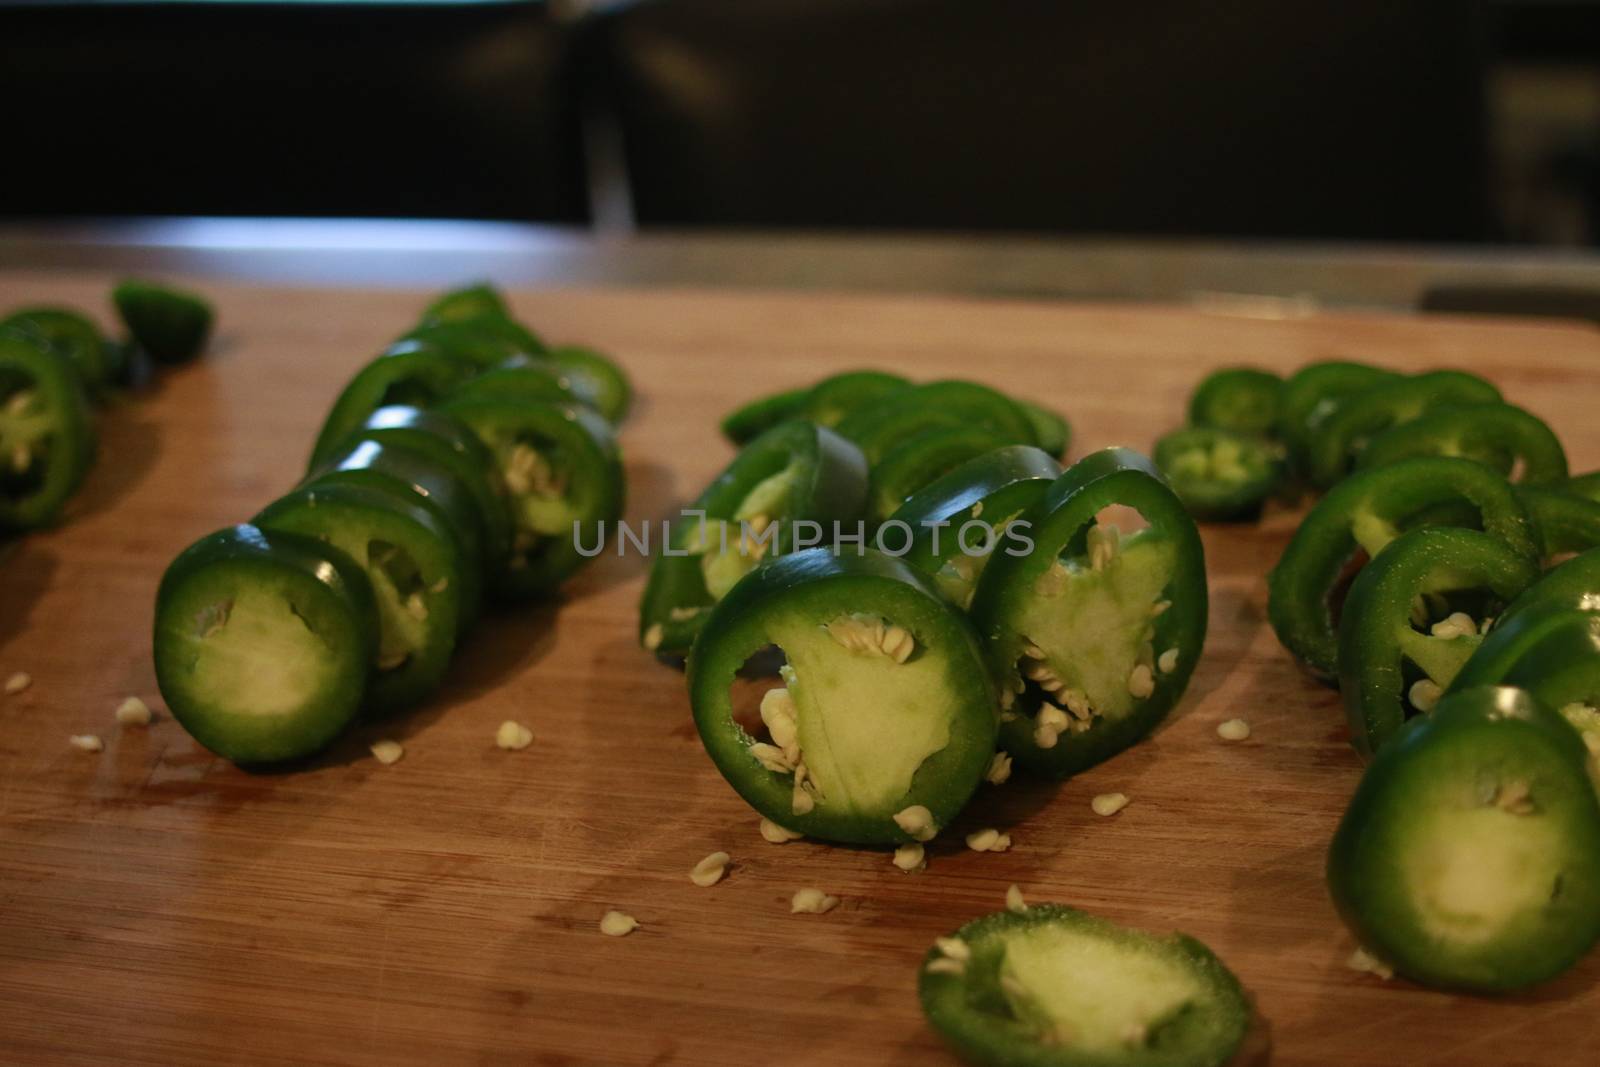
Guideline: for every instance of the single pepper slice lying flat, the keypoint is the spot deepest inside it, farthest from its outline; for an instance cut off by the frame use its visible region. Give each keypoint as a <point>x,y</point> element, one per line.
<point>1051,986</point>
<point>1312,393</point>
<point>796,472</point>
<point>878,427</point>
<point>1553,651</point>
<point>172,325</point>
<point>75,338</point>
<point>563,476</point>
<point>1469,857</point>
<point>1337,440</point>
<point>1500,435</point>
<point>1241,399</point>
<point>592,378</point>
<point>1220,474</point>
<point>885,724</point>
<point>749,421</point>
<point>263,641</point>
<point>414,566</point>
<point>1359,517</point>
<point>408,372</point>
<point>1396,652</point>
<point>1562,522</point>
<point>46,436</point>
<point>1093,635</point>
<point>954,525</point>
<point>914,463</point>
<point>467,302</point>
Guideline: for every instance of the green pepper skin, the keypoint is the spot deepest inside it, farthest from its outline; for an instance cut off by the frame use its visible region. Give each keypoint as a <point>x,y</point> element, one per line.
<point>351,519</point>
<point>973,1012</point>
<point>1551,650</point>
<point>484,341</point>
<point>75,337</point>
<point>914,463</point>
<point>1562,521</point>
<point>1337,439</point>
<point>453,445</point>
<point>592,378</point>
<point>43,410</point>
<point>878,427</point>
<point>328,593</point>
<point>1585,485</point>
<point>172,325</point>
<point>409,372</point>
<point>997,486</point>
<point>838,396</point>
<point>1058,524</point>
<point>1313,392</point>
<point>832,488</point>
<point>1496,434</point>
<point>1460,766</point>
<point>1573,584</point>
<point>420,478</point>
<point>1376,632</point>
<point>468,302</point>
<point>1364,513</point>
<point>749,421</point>
<point>1221,474</point>
<point>819,585</point>
<point>1242,399</point>
<point>583,453</point>
<point>1051,431</point>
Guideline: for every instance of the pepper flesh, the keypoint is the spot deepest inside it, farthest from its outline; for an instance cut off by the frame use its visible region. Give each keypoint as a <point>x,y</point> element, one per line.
<point>1336,441</point>
<point>1218,473</point>
<point>46,437</point>
<point>1497,434</point>
<point>1240,399</point>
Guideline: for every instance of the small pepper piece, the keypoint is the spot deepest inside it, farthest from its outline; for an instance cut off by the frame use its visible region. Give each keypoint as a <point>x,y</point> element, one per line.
<point>1239,399</point>
<point>170,324</point>
<point>1219,473</point>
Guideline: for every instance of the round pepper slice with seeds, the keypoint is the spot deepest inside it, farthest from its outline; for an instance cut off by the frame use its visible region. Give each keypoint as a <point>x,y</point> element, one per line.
<point>1218,473</point>
<point>955,524</point>
<point>797,473</point>
<point>1552,650</point>
<point>46,436</point>
<point>1501,435</point>
<point>415,373</point>
<point>1093,634</point>
<point>1469,857</point>
<point>563,474</point>
<point>414,566</point>
<point>876,428</point>
<point>1241,399</point>
<point>263,643</point>
<point>592,378</point>
<point>1337,440</point>
<point>885,723</point>
<point>1413,617</point>
<point>1357,519</point>
<point>1052,986</point>
<point>76,338</point>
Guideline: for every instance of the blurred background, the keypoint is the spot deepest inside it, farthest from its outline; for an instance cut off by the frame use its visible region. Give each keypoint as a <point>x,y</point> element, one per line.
<point>1348,120</point>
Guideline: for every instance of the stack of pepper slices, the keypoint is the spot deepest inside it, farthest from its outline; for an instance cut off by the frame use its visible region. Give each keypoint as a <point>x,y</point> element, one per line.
<point>460,464</point>
<point>1448,581</point>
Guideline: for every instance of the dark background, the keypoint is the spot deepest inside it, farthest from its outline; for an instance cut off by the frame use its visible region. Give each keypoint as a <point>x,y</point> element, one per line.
<point>1395,120</point>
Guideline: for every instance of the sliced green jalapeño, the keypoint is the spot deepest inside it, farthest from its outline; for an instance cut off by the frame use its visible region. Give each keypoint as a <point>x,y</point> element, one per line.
<point>171,325</point>
<point>75,338</point>
<point>952,527</point>
<point>1503,436</point>
<point>921,459</point>
<point>1360,516</point>
<point>263,642</point>
<point>46,436</point>
<point>1093,634</point>
<point>749,421</point>
<point>1336,442</point>
<point>1241,399</point>
<point>1051,986</point>
<point>1469,857</point>
<point>1563,522</point>
<point>1220,474</point>
<point>467,302</point>
<point>1312,393</point>
<point>1585,485</point>
<point>878,427</point>
<point>885,723</point>
<point>1573,584</point>
<point>1413,617</point>
<point>414,565</point>
<point>415,373</point>
<point>1553,651</point>
<point>796,473</point>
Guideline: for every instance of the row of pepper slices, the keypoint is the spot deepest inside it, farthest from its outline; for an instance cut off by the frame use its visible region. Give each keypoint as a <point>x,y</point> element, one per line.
<point>464,463</point>
<point>56,367</point>
<point>1448,582</point>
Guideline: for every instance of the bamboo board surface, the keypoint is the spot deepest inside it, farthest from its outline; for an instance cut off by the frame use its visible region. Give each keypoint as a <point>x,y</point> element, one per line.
<point>159,906</point>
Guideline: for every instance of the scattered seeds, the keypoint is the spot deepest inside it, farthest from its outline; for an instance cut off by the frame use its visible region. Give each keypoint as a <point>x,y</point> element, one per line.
<point>513,736</point>
<point>946,965</point>
<point>918,822</point>
<point>1424,694</point>
<point>1167,662</point>
<point>86,743</point>
<point>18,682</point>
<point>999,769</point>
<point>709,871</point>
<point>988,840</point>
<point>1366,962</point>
<point>653,636</point>
<point>812,902</point>
<point>1456,624</point>
<point>1108,804</point>
<point>1233,730</point>
<point>953,947</point>
<point>618,924</point>
<point>778,835</point>
<point>1141,682</point>
<point>1014,901</point>
<point>912,857</point>
<point>133,712</point>
<point>387,752</point>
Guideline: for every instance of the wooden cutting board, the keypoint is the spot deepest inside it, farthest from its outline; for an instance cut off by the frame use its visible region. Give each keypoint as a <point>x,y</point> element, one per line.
<point>159,906</point>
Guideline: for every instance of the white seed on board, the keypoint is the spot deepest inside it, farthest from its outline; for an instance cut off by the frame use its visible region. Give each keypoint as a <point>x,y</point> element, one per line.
<point>778,835</point>
<point>918,822</point>
<point>1108,804</point>
<point>86,743</point>
<point>387,752</point>
<point>1233,730</point>
<point>18,682</point>
<point>812,902</point>
<point>911,857</point>
<point>618,924</point>
<point>709,871</point>
<point>133,712</point>
<point>1014,901</point>
<point>1365,962</point>
<point>513,736</point>
<point>988,840</point>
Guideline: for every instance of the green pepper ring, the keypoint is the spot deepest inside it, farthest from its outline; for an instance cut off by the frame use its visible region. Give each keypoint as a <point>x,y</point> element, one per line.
<point>419,372</point>
<point>1241,399</point>
<point>914,463</point>
<point>71,439</point>
<point>1474,430</point>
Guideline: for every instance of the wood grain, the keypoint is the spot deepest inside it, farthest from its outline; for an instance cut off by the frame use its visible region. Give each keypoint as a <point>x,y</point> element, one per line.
<point>160,906</point>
